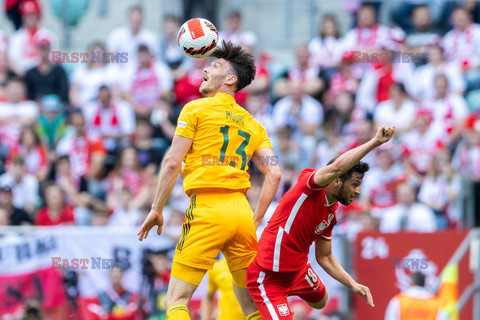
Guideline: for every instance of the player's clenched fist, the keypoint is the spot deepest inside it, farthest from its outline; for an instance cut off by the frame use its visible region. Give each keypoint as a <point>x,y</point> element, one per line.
<point>384,134</point>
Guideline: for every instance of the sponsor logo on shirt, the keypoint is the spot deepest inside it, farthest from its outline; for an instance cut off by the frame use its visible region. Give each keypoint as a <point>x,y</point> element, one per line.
<point>182,124</point>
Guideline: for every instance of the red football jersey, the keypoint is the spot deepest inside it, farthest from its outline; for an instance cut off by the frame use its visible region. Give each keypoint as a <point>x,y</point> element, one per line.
<point>300,218</point>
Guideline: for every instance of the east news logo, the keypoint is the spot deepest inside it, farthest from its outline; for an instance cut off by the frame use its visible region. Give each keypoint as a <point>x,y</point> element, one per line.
<point>409,264</point>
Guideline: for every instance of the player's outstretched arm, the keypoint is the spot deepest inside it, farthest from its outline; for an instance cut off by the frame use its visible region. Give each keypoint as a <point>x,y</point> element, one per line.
<point>344,162</point>
<point>267,163</point>
<point>171,165</point>
<point>325,258</point>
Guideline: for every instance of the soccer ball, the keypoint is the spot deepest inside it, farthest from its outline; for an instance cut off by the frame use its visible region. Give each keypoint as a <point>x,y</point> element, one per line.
<point>198,37</point>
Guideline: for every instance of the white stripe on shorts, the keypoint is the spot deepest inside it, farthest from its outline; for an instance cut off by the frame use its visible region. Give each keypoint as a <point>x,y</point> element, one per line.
<point>269,305</point>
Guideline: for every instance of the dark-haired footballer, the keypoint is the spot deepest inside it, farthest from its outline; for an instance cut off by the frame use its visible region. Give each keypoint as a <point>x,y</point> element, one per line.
<point>216,138</point>
<point>306,214</point>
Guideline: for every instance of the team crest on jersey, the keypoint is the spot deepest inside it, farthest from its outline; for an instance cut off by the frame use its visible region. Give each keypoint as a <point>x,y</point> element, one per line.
<point>319,229</point>
<point>283,309</point>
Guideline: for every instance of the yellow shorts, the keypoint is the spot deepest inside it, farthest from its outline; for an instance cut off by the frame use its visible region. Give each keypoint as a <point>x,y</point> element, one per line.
<point>217,221</point>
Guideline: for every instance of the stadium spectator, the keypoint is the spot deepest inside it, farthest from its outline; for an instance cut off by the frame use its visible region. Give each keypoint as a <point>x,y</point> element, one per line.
<point>422,85</point>
<point>16,216</point>
<point>304,73</point>
<point>55,211</point>
<point>298,110</point>
<point>326,48</point>
<point>24,185</point>
<point>220,279</point>
<point>329,147</point>
<point>289,178</point>
<point>124,213</point>
<point>51,125</point>
<point>344,78</point>
<point>15,113</point>
<point>164,119</point>
<point>304,115</point>
<point>377,79</point>
<point>462,45</point>
<point>466,161</point>
<point>146,82</point>
<point>362,130</point>
<point>408,214</point>
<point>170,52</point>
<point>127,174</point>
<point>287,148</point>
<point>159,275</point>
<point>261,109</point>
<point>449,110</point>
<point>6,74</point>
<point>380,187</point>
<point>117,302</point>
<point>415,300</point>
<point>398,110</point>
<point>100,215</point>
<point>87,78</point>
<point>440,190</point>
<point>110,118</point>
<point>234,32</point>
<point>86,153</point>
<point>188,82</point>
<point>23,51</point>
<point>127,39</point>
<point>423,33</point>
<point>74,187</point>
<point>419,145</point>
<point>33,152</point>
<point>150,150</point>
<point>367,35</point>
<point>342,114</point>
<point>46,77</point>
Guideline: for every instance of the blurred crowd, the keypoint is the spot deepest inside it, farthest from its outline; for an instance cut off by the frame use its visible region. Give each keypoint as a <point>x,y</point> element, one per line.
<point>84,147</point>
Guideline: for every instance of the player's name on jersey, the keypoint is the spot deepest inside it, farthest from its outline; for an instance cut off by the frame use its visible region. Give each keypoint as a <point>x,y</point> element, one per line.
<point>210,160</point>
<point>229,115</point>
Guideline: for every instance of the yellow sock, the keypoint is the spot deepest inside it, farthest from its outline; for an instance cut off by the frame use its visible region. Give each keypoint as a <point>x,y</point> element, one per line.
<point>254,316</point>
<point>178,312</point>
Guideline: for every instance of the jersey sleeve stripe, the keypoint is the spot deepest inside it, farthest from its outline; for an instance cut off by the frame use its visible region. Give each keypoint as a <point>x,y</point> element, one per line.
<point>294,212</point>
<point>278,248</point>
<point>308,182</point>
<point>263,293</point>
<point>328,238</point>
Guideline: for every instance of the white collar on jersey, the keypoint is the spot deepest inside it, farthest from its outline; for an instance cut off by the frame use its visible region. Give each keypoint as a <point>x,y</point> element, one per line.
<point>328,204</point>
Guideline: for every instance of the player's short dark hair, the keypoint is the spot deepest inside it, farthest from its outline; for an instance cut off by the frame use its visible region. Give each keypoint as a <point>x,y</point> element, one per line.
<point>241,61</point>
<point>359,167</point>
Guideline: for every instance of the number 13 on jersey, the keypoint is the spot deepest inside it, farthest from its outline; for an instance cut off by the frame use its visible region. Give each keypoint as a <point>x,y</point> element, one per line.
<point>242,137</point>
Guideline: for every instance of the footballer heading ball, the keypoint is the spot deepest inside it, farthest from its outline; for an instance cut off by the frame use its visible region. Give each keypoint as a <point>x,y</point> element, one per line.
<point>198,37</point>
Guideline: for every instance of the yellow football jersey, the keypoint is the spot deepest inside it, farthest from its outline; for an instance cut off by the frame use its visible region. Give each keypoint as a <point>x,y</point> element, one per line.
<point>220,278</point>
<point>225,136</point>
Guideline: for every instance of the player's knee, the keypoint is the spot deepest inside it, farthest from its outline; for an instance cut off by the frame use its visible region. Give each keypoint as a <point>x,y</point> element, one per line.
<point>321,304</point>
